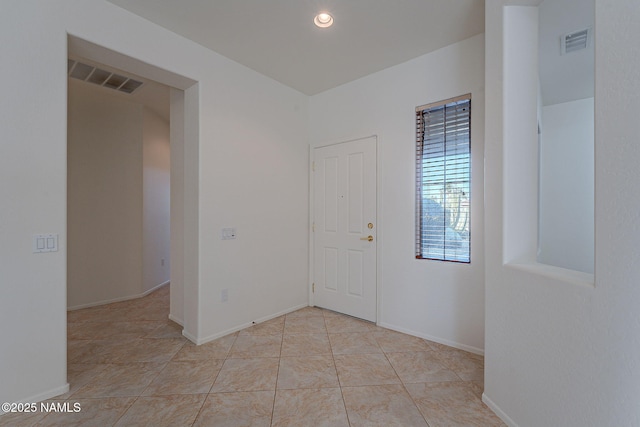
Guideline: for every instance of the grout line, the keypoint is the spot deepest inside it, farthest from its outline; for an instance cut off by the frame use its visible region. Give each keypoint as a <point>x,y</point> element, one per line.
<point>404,387</point>
<point>344,404</point>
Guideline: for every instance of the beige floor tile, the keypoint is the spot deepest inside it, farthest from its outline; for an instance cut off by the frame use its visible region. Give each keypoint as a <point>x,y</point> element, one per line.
<point>188,377</point>
<point>477,387</point>
<point>248,346</point>
<point>120,380</point>
<point>354,342</point>
<point>307,312</point>
<point>451,403</point>
<point>155,313</point>
<point>304,325</point>
<point>94,351</point>
<point>307,372</point>
<point>270,327</point>
<point>217,349</point>
<point>168,329</point>
<point>21,419</point>
<point>93,314</point>
<point>305,345</point>
<point>243,409</point>
<point>247,375</point>
<point>163,411</point>
<point>328,314</point>
<point>468,366</point>
<point>109,330</point>
<point>144,350</point>
<point>141,303</point>
<point>294,363</point>
<point>309,407</point>
<point>77,349</point>
<point>364,369</point>
<point>78,375</point>
<point>342,324</point>
<point>93,413</point>
<point>383,405</point>
<point>441,348</point>
<point>392,341</point>
<point>420,367</point>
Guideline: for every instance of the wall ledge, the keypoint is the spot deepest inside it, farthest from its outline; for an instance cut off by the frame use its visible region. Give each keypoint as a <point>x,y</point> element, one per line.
<point>560,274</point>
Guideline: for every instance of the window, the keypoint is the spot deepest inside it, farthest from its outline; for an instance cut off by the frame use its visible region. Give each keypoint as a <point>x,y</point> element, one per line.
<point>443,180</point>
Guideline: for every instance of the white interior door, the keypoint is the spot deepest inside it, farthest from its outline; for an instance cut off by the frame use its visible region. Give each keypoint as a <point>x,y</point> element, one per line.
<point>344,228</point>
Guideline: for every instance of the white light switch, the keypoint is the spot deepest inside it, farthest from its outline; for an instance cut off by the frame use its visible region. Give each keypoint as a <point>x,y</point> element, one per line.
<point>45,243</point>
<point>228,233</point>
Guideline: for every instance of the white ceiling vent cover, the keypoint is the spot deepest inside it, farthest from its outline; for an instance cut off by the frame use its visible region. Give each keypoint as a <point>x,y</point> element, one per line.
<point>575,41</point>
<point>100,77</point>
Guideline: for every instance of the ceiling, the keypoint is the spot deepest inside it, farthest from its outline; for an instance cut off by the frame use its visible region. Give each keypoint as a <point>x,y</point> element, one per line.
<point>277,38</point>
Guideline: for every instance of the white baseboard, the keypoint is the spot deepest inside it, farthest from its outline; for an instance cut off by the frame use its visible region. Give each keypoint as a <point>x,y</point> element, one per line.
<point>119,299</point>
<point>504,417</point>
<point>470,349</point>
<point>175,319</point>
<point>210,338</point>
<point>42,396</point>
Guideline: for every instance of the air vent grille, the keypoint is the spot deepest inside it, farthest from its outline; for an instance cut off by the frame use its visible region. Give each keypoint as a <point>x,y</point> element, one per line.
<point>575,41</point>
<point>100,77</point>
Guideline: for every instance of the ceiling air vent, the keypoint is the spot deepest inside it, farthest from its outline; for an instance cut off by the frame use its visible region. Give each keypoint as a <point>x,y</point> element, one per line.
<point>100,77</point>
<point>575,41</point>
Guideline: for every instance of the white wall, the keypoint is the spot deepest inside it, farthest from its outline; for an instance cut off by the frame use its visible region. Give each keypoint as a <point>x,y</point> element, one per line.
<point>177,213</point>
<point>156,246</point>
<point>104,197</point>
<point>561,349</point>
<point>249,170</point>
<point>436,300</point>
<point>117,198</point>
<point>566,186</point>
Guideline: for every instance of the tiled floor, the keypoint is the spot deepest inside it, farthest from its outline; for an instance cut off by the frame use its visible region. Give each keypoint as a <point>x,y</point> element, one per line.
<point>129,366</point>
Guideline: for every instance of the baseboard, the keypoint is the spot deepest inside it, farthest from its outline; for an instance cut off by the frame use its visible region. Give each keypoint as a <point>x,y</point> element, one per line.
<point>42,396</point>
<point>175,319</point>
<point>470,349</point>
<point>210,338</point>
<point>119,299</point>
<point>190,337</point>
<point>504,417</point>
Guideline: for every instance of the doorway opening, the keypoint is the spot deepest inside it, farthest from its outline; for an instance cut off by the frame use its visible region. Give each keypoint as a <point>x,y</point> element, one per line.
<point>151,176</point>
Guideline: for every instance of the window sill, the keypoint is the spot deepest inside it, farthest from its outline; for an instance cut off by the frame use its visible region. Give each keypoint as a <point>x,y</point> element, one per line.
<point>558,273</point>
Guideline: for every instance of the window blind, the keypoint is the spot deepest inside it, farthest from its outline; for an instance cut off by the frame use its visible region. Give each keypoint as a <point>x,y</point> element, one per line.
<point>443,180</point>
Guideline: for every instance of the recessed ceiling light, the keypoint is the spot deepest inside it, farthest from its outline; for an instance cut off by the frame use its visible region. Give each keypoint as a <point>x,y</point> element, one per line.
<point>323,20</point>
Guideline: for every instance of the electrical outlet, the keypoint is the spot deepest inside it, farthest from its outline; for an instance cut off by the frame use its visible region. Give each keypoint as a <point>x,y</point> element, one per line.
<point>224,295</point>
<point>228,233</point>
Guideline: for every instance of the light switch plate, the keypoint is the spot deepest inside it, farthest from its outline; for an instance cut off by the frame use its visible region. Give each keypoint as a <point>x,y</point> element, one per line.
<point>45,243</point>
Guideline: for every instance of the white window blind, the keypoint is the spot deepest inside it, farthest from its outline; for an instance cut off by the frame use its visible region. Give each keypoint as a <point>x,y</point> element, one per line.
<point>443,180</point>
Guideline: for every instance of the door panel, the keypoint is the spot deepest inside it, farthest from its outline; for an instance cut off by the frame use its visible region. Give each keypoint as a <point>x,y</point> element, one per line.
<point>344,206</point>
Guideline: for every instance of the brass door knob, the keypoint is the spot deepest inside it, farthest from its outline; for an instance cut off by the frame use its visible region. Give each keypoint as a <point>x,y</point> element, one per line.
<point>368,238</point>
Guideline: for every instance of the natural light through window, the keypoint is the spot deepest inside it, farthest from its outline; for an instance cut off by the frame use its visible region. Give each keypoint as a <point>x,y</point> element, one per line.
<point>443,180</point>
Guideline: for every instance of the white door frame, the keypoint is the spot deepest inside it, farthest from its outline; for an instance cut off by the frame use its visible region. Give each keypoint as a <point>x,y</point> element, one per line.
<point>379,235</point>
